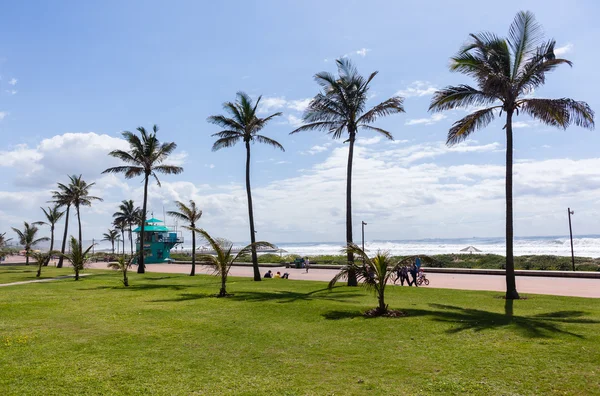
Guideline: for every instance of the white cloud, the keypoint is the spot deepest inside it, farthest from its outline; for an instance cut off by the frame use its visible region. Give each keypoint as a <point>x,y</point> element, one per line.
<point>417,89</point>
<point>299,105</point>
<point>521,124</point>
<point>316,149</point>
<point>565,49</point>
<point>3,114</point>
<point>362,52</point>
<point>435,118</point>
<point>268,104</point>
<point>546,146</point>
<point>12,81</point>
<point>369,141</point>
<point>210,166</point>
<point>294,121</point>
<point>11,91</point>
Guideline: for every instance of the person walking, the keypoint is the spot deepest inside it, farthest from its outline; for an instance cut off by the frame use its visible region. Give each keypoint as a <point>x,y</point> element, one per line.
<point>306,264</point>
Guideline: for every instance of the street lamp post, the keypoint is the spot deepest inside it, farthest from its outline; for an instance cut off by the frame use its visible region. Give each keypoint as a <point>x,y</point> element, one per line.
<point>363,235</point>
<point>571,212</point>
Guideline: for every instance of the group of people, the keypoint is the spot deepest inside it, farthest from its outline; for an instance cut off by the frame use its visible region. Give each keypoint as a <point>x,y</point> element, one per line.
<point>278,275</point>
<point>415,271</point>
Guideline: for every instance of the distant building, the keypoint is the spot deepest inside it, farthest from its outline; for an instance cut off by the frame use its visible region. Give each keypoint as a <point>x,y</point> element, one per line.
<point>158,241</point>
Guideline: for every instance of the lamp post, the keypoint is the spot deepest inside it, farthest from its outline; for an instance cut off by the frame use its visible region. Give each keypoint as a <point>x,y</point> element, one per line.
<point>571,212</point>
<point>363,235</point>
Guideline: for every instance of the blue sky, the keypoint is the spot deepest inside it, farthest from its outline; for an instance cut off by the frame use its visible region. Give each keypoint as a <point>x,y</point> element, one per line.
<point>76,74</point>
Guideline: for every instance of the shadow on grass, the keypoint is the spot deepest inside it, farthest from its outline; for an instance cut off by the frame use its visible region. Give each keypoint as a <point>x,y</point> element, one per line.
<point>187,297</point>
<point>136,287</point>
<point>285,296</point>
<point>544,325</point>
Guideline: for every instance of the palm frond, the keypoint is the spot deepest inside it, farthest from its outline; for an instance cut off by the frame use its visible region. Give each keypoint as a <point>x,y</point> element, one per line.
<point>460,96</point>
<point>462,128</point>
<point>168,169</point>
<point>269,141</point>
<point>524,36</point>
<point>393,105</point>
<point>381,131</point>
<point>225,143</point>
<point>559,112</point>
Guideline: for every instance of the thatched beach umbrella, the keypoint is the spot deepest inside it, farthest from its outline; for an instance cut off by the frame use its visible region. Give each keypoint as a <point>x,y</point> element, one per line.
<point>470,249</point>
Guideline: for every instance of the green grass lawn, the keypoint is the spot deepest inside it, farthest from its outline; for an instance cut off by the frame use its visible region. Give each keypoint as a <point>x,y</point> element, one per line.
<point>27,273</point>
<point>167,334</point>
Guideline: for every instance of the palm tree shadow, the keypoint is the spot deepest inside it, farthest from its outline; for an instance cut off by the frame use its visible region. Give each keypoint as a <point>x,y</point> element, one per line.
<point>536,326</point>
<point>186,297</point>
<point>285,296</point>
<point>137,287</point>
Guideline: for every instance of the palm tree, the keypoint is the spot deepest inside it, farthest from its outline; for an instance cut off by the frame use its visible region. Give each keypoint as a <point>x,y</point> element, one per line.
<point>374,273</point>
<point>145,158</point>
<point>111,236</point>
<point>122,264</point>
<point>63,197</point>
<point>81,197</point>
<point>244,125</point>
<point>506,71</point>
<point>340,111</point>
<point>27,238</point>
<point>41,259</point>
<point>3,240</point>
<point>128,214</point>
<point>77,256</point>
<point>120,225</point>
<point>191,214</point>
<point>53,215</point>
<point>223,258</point>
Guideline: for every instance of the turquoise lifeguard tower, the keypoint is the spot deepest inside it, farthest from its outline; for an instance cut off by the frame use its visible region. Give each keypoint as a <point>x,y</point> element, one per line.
<point>158,241</point>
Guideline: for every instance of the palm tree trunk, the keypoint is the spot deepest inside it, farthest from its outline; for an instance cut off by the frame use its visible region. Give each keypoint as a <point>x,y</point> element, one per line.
<point>51,246</point>
<point>251,216</point>
<point>511,286</point>
<point>223,291</point>
<point>27,256</point>
<point>130,240</point>
<point>123,239</point>
<point>79,222</point>
<point>381,299</point>
<point>141,268</point>
<point>64,241</point>
<point>193,252</point>
<point>351,274</point>
<point>113,246</point>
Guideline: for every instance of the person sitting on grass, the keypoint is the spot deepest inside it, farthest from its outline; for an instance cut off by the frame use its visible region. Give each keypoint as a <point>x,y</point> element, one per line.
<point>268,274</point>
<point>278,275</point>
<point>285,275</point>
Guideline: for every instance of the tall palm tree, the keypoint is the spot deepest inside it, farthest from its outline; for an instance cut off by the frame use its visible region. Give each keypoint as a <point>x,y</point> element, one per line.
<point>223,258</point>
<point>111,236</point>
<point>27,238</point>
<point>374,273</point>
<point>146,157</point>
<point>506,71</point>
<point>190,214</point>
<point>81,197</point>
<point>244,125</point>
<point>340,110</point>
<point>53,215</point>
<point>120,225</point>
<point>128,214</point>
<point>63,197</point>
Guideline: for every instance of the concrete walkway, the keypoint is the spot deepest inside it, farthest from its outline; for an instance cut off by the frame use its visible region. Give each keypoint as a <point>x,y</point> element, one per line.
<point>41,280</point>
<point>573,287</point>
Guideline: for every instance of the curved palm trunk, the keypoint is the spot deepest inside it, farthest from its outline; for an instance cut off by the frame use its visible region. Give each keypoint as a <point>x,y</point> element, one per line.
<point>47,261</point>
<point>193,251</point>
<point>511,285</point>
<point>251,216</point>
<point>351,274</point>
<point>141,267</point>
<point>64,241</point>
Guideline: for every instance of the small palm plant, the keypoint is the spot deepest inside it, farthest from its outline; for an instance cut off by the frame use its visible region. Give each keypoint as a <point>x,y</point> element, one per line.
<point>191,214</point>
<point>374,274</point>
<point>27,238</point>
<point>78,257</point>
<point>122,264</point>
<point>41,259</point>
<point>223,258</point>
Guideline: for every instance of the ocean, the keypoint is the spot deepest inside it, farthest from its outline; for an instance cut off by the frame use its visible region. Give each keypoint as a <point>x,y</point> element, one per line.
<point>585,246</point>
